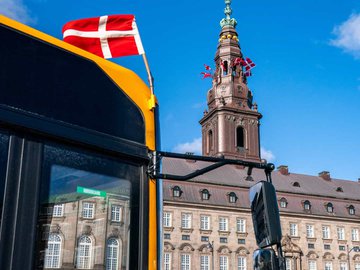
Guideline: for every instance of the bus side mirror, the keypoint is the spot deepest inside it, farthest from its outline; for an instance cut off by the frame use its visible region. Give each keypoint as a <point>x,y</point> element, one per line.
<point>265,214</point>
<point>265,259</point>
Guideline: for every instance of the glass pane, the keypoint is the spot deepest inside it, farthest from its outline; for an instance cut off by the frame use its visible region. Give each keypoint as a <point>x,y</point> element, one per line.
<point>86,205</point>
<point>4,143</point>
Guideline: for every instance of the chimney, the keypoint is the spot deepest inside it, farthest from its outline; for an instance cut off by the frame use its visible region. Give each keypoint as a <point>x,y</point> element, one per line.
<point>325,175</point>
<point>359,180</point>
<point>283,169</point>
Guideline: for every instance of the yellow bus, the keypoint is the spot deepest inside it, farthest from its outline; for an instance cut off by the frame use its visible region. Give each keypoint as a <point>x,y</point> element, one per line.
<point>75,136</point>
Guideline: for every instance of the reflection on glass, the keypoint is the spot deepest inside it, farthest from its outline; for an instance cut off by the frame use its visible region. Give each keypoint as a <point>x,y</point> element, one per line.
<point>4,142</point>
<point>84,219</point>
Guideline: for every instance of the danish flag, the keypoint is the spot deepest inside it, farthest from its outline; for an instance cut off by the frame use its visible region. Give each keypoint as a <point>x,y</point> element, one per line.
<point>106,36</point>
<point>206,75</point>
<point>248,64</point>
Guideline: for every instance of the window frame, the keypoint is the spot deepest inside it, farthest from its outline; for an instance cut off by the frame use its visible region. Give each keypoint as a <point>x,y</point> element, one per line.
<point>223,224</point>
<point>88,212</point>
<point>53,259</point>
<point>85,246</point>
<point>205,221</point>
<point>186,220</point>
<point>110,252</point>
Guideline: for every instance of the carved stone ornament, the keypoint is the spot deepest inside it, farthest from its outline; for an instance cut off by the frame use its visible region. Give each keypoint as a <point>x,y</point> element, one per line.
<point>205,248</point>
<point>55,228</point>
<point>186,247</point>
<point>224,250</point>
<point>87,230</point>
<point>242,251</point>
<point>328,256</point>
<point>289,246</point>
<point>168,246</point>
<point>312,255</point>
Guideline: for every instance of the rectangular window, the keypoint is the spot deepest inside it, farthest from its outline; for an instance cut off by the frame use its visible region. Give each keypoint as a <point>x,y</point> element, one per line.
<point>224,263</point>
<point>204,239</point>
<point>88,210</point>
<point>312,265</point>
<point>327,247</point>
<point>204,262</point>
<point>241,263</point>
<point>58,210</point>
<point>354,234</point>
<point>223,240</point>
<point>241,225</point>
<point>186,220</point>
<point>328,266</point>
<point>223,224</point>
<point>326,232</point>
<point>288,264</point>
<point>204,222</point>
<point>341,233</point>
<point>167,219</point>
<point>293,229</point>
<point>343,266</point>
<point>167,261</point>
<point>167,236</point>
<point>185,237</point>
<point>357,266</point>
<point>241,241</point>
<point>311,246</point>
<point>116,212</point>
<point>342,248</point>
<point>185,262</point>
<point>310,231</point>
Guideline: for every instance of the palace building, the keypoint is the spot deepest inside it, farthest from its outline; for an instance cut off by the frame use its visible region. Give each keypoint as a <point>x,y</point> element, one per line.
<point>207,220</point>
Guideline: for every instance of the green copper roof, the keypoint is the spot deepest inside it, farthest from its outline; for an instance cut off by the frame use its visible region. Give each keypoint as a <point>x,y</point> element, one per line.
<point>227,21</point>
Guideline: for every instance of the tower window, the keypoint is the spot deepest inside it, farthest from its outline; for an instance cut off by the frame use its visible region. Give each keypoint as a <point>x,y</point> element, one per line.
<point>210,141</point>
<point>240,137</point>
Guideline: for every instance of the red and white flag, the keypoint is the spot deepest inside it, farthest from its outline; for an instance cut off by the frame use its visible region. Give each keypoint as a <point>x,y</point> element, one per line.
<point>207,67</point>
<point>106,36</point>
<point>206,75</point>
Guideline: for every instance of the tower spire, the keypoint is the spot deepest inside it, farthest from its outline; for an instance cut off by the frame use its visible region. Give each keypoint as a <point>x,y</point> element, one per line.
<point>230,126</point>
<point>228,21</point>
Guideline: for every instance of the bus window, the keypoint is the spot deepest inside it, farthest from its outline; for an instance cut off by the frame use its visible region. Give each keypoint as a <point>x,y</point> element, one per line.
<point>4,142</point>
<point>85,212</point>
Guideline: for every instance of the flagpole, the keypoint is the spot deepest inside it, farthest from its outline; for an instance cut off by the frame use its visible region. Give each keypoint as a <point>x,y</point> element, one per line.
<point>150,77</point>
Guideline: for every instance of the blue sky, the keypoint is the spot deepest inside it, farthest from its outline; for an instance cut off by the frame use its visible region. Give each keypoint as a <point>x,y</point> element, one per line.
<point>306,83</point>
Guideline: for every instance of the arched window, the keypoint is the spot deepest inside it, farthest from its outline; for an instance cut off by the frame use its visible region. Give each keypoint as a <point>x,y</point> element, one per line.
<point>112,254</point>
<point>307,205</point>
<point>205,194</point>
<point>210,141</point>
<point>339,189</point>
<point>84,253</point>
<point>240,142</point>
<point>329,208</point>
<point>232,197</point>
<point>53,251</point>
<point>225,67</point>
<point>296,184</point>
<point>351,210</point>
<point>283,203</point>
<point>176,191</point>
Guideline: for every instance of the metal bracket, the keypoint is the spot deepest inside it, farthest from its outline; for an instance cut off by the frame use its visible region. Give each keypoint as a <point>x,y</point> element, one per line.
<point>156,156</point>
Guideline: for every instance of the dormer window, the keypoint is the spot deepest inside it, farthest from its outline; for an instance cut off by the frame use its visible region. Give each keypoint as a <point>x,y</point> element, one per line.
<point>176,191</point>
<point>283,203</point>
<point>205,194</point>
<point>339,189</point>
<point>329,208</point>
<point>296,184</point>
<point>351,210</point>
<point>232,197</point>
<point>307,205</point>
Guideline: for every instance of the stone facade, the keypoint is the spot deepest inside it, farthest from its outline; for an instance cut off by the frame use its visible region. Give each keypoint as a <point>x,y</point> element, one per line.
<point>309,239</point>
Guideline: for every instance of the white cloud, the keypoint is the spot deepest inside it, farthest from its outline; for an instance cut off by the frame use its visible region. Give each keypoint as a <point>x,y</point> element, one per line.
<point>348,35</point>
<point>194,147</point>
<point>267,154</point>
<point>16,10</point>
